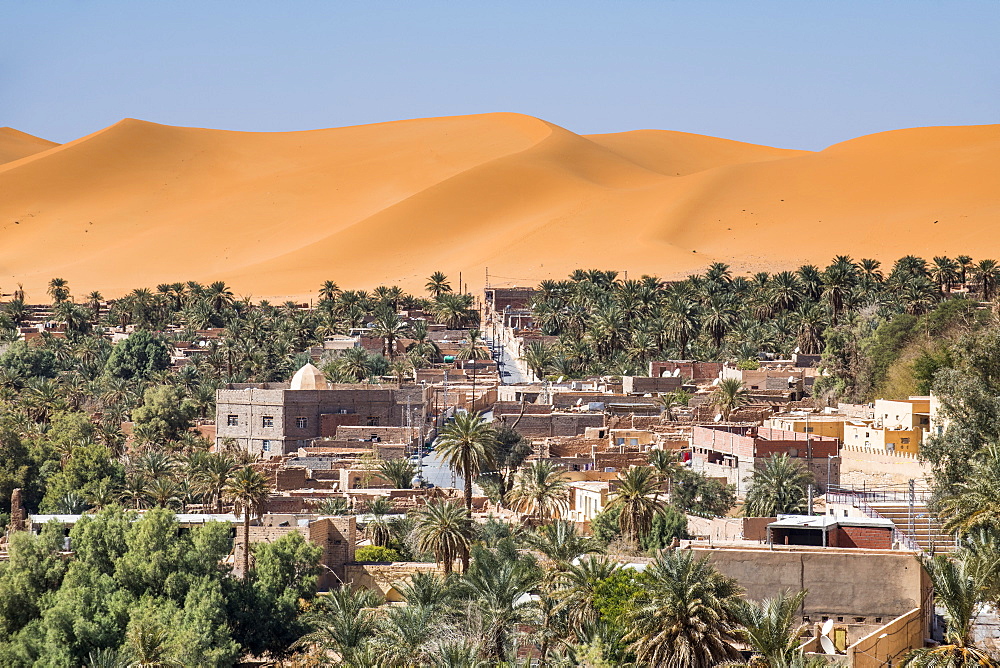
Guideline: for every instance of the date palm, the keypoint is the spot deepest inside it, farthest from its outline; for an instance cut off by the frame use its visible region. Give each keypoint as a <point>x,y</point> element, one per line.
<point>539,356</point>
<point>959,591</point>
<point>399,472</point>
<point>637,495</point>
<point>247,491</point>
<point>445,529</point>
<point>684,618</point>
<point>728,396</point>
<point>468,446</point>
<point>213,475</point>
<point>437,285</point>
<point>561,543</point>
<point>541,490</point>
<point>778,487</point>
<point>769,628</point>
<point>343,623</point>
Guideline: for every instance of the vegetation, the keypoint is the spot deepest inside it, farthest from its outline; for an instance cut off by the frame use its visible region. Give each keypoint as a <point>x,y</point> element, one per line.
<point>779,488</point>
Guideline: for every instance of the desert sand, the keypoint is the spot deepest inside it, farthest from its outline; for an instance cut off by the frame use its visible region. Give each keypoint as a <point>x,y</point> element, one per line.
<point>15,145</point>
<point>275,214</point>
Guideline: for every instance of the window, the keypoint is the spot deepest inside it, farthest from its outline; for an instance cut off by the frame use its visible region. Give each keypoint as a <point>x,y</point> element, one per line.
<point>232,420</point>
<point>372,420</point>
<point>810,429</point>
<point>267,421</point>
<point>633,441</point>
<point>265,445</point>
<point>904,440</point>
<point>301,422</point>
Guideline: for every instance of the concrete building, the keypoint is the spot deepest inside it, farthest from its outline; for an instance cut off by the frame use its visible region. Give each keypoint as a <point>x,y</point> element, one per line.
<point>735,452</point>
<point>831,426</point>
<point>274,419</point>
<point>832,531</point>
<point>587,498</point>
<point>869,437</point>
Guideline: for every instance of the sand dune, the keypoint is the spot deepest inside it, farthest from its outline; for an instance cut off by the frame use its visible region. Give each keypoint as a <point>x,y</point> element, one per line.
<point>15,145</point>
<point>275,214</point>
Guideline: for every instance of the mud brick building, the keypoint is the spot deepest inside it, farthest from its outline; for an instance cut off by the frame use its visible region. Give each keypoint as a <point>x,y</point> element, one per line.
<point>274,419</point>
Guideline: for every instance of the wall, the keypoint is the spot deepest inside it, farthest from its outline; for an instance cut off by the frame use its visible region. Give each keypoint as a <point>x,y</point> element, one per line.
<point>902,634</point>
<point>875,585</point>
<point>871,538</point>
<point>383,578</point>
<point>698,371</point>
<point>901,466</point>
<point>644,385</point>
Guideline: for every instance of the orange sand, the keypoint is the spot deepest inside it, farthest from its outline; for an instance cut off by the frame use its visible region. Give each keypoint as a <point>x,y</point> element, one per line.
<point>275,214</point>
<point>15,145</point>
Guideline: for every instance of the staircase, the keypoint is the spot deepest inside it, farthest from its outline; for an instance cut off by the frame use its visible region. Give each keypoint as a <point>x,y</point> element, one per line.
<point>927,532</point>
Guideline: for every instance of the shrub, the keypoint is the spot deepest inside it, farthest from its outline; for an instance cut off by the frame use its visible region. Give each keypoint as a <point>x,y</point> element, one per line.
<point>376,553</point>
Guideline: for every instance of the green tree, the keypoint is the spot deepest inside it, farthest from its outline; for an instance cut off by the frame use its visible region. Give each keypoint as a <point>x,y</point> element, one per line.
<point>637,497</point>
<point>684,616</point>
<point>468,446</point>
<point>138,356</point>
<point>770,629</point>
<point>728,396</point>
<point>445,529</point>
<point>399,472</point>
<point>165,415</point>
<point>541,490</point>
<point>777,488</point>
<point>247,491</point>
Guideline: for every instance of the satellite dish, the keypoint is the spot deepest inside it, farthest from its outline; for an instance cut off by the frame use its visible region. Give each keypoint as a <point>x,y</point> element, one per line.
<point>827,627</point>
<point>677,372</point>
<point>796,349</point>
<point>828,647</point>
<point>579,402</point>
<point>718,417</point>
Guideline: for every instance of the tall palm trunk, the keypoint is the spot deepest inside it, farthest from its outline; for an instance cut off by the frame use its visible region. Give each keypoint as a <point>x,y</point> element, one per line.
<point>466,466</point>
<point>246,544</point>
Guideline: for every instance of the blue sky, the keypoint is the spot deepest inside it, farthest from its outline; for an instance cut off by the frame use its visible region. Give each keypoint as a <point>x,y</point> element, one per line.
<point>796,74</point>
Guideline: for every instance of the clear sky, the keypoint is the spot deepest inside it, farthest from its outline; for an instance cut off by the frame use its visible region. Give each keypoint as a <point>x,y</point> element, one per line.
<point>796,74</point>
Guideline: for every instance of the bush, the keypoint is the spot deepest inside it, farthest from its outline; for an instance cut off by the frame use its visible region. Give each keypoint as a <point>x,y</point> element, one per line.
<point>376,553</point>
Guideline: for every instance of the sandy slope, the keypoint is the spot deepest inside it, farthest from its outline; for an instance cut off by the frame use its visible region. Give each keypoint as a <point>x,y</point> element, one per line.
<point>15,144</point>
<point>274,214</point>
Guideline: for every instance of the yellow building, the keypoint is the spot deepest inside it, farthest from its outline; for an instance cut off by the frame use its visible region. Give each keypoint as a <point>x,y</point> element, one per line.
<point>630,437</point>
<point>832,426</point>
<point>867,436</point>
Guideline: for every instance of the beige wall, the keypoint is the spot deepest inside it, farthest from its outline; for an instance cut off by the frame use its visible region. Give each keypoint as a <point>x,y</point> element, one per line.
<point>384,578</point>
<point>875,585</point>
<point>902,634</point>
<point>882,440</point>
<point>902,466</point>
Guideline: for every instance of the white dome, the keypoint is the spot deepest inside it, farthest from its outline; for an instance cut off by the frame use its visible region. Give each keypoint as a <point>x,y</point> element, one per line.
<point>309,378</point>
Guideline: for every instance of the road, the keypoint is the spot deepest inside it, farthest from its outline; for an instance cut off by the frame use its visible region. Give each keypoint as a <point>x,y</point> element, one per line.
<point>508,358</point>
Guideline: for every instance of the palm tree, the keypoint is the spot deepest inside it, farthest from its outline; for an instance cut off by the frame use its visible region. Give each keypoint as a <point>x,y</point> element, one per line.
<point>329,291</point>
<point>539,356</point>
<point>163,492</point>
<point>684,618</point>
<point>405,634</point>
<point>637,496</point>
<point>667,464</point>
<point>146,642</point>
<point>437,285</point>
<point>779,487</point>
<point>445,528</point>
<point>975,503</point>
<point>728,396</point>
<point>212,477</point>
<point>59,290</point>
<point>561,543</point>
<point>769,628</point>
<point>247,491</point>
<point>468,446</point>
<point>582,585</point>
<point>944,272</point>
<point>964,265</point>
<point>497,583</point>
<point>541,490</point>
<point>390,327</point>
<point>959,591</point>
<point>473,351</point>
<point>344,623</point>
<point>399,472</point>
<point>986,274</point>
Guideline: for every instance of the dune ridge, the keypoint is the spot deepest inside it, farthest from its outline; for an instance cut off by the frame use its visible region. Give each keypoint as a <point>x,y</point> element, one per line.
<point>275,214</point>
<point>15,145</point>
